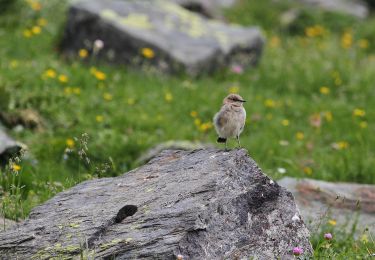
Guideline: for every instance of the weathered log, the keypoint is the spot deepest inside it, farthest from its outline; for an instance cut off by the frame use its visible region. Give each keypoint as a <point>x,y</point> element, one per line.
<point>202,204</point>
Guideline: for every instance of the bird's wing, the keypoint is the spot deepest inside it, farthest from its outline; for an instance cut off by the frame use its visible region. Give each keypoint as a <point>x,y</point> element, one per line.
<point>221,118</point>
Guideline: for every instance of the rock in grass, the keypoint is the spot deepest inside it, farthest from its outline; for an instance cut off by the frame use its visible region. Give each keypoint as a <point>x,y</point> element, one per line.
<point>158,34</point>
<point>208,8</point>
<point>347,205</point>
<point>8,146</point>
<point>356,8</point>
<point>202,204</point>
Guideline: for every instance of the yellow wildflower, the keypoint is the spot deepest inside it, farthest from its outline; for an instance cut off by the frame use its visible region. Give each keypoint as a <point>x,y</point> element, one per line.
<point>83,53</point>
<point>270,103</point>
<point>99,118</point>
<point>363,124</point>
<point>346,40</point>
<point>27,33</point>
<point>340,145</point>
<point>41,22</point>
<point>359,112</point>
<point>205,126</point>
<point>234,89</point>
<point>16,167</point>
<point>63,78</point>
<point>197,122</point>
<point>324,90</point>
<point>36,6</point>
<point>275,42</point>
<point>13,64</point>
<point>107,96</point>
<point>300,136</point>
<point>194,114</point>
<point>70,143</point>
<point>77,91</point>
<point>36,30</point>
<point>363,43</point>
<point>314,31</point>
<point>148,53</point>
<point>328,116</point>
<point>100,75</point>
<point>285,122</point>
<point>50,73</point>
<point>131,101</point>
<point>307,170</point>
<point>168,97</point>
<point>332,222</point>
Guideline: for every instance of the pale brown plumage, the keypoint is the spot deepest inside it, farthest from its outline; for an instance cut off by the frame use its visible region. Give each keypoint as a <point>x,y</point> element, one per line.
<point>230,120</point>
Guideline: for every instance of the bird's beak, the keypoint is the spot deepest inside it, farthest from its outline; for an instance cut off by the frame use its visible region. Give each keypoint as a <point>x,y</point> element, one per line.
<point>243,101</point>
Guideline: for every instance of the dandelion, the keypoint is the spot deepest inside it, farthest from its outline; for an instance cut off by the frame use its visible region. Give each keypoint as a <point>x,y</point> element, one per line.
<point>237,69</point>
<point>285,122</point>
<point>328,236</point>
<point>99,75</point>
<point>36,30</point>
<point>130,101</point>
<point>307,170</point>
<point>63,78</point>
<point>270,103</point>
<point>359,112</point>
<point>83,53</point>
<point>194,114</point>
<point>148,53</point>
<point>332,222</point>
<point>50,73</point>
<point>107,96</point>
<point>314,31</point>
<point>297,251</point>
<point>234,89</point>
<point>36,6</point>
<point>41,22</point>
<point>363,43</point>
<point>205,126</point>
<point>363,124</point>
<point>340,145</point>
<point>27,33</point>
<point>168,97</point>
<point>99,118</point>
<point>70,143</point>
<point>300,136</point>
<point>324,90</point>
<point>275,42</point>
<point>16,167</point>
<point>346,40</point>
<point>197,122</point>
<point>328,116</point>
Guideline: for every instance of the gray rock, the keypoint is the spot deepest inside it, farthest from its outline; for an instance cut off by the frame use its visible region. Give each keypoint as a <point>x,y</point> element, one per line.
<point>170,145</point>
<point>347,203</point>
<point>181,40</point>
<point>6,223</point>
<point>8,146</point>
<point>356,8</point>
<point>208,8</point>
<point>202,204</point>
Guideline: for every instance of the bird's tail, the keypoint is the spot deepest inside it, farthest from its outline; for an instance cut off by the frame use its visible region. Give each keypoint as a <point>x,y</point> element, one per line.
<point>221,140</point>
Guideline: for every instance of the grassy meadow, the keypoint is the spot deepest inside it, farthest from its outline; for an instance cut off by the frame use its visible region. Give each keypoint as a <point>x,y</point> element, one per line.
<point>310,105</point>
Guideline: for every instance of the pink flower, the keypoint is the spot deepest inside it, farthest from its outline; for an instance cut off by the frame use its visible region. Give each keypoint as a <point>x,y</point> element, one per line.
<point>237,69</point>
<point>328,236</point>
<point>297,251</point>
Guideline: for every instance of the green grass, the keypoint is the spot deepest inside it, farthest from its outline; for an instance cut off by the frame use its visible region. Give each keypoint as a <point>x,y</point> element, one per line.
<point>284,88</point>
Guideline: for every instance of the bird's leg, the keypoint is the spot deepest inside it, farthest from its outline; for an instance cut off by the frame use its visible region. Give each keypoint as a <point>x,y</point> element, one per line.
<point>238,141</point>
<point>226,145</point>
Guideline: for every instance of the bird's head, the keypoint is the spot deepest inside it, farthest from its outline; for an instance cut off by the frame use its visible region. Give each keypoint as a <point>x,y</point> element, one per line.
<point>234,99</point>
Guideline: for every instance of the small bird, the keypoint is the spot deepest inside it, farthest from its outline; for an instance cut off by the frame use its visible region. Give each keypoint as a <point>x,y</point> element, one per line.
<point>230,120</point>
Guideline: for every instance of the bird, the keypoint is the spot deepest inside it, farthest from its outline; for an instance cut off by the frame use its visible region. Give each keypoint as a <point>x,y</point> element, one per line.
<point>230,120</point>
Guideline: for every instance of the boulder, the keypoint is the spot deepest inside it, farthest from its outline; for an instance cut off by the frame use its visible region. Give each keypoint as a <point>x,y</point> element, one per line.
<point>349,204</point>
<point>357,8</point>
<point>8,146</point>
<point>170,145</point>
<point>201,204</point>
<point>158,34</point>
<point>208,8</point>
